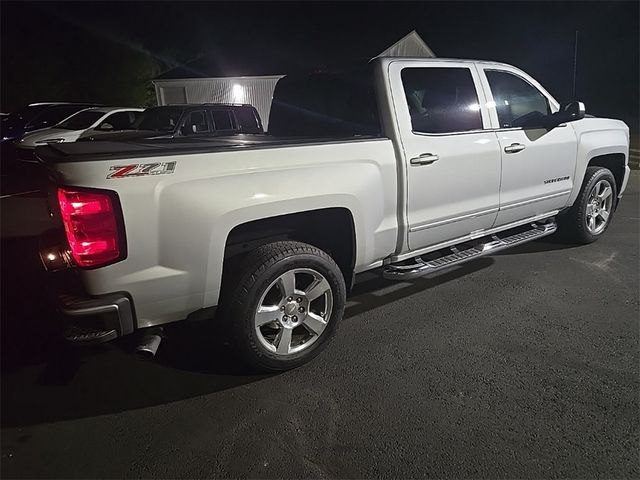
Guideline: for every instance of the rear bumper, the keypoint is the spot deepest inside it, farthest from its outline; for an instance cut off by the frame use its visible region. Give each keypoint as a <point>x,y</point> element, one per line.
<point>91,320</point>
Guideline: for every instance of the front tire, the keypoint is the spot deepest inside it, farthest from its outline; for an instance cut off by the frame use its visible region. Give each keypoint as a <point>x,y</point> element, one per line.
<point>590,215</point>
<point>286,305</point>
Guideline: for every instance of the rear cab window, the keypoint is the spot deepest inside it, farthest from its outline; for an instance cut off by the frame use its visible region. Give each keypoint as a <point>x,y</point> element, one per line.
<point>333,104</point>
<point>441,99</point>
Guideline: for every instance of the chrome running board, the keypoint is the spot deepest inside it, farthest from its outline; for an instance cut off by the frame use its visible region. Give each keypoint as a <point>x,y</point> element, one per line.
<point>457,254</point>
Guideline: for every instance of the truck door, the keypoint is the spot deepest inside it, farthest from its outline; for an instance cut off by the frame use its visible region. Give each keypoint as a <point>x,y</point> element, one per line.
<point>452,164</point>
<point>537,164</point>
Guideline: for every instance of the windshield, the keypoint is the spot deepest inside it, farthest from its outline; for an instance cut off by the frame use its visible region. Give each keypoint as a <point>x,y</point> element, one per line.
<point>81,120</point>
<point>23,115</point>
<point>160,119</point>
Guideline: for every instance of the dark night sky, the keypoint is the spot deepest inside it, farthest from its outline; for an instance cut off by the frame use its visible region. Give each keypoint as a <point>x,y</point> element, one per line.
<point>51,49</point>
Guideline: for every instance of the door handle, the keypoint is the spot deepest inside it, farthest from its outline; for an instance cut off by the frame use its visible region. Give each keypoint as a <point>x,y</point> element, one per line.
<point>424,159</point>
<point>514,148</point>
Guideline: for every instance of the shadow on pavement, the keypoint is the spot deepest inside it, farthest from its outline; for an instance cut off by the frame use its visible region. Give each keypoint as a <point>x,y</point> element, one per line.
<point>547,244</point>
<point>51,382</point>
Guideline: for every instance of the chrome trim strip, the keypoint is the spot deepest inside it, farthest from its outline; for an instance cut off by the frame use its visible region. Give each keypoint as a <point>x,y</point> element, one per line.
<point>534,200</point>
<point>446,221</point>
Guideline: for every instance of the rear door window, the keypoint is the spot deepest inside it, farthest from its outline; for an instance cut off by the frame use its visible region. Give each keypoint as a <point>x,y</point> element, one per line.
<point>222,120</point>
<point>196,122</point>
<point>247,120</point>
<point>441,100</point>
<point>118,121</point>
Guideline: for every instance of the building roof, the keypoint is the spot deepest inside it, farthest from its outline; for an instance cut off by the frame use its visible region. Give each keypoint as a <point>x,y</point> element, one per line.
<point>286,59</point>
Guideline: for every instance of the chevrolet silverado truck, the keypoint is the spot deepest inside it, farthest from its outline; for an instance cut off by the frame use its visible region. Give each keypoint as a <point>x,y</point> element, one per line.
<point>408,165</point>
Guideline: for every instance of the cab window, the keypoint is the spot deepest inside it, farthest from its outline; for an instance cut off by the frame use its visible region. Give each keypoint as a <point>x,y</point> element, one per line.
<point>441,100</point>
<point>222,120</point>
<point>518,103</point>
<point>118,121</point>
<point>196,122</point>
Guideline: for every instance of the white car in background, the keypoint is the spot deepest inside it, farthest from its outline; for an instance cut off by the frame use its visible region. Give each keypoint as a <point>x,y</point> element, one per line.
<point>88,122</point>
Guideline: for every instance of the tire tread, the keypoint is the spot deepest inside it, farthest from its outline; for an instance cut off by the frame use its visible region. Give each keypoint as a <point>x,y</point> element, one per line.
<point>250,270</point>
<point>572,222</point>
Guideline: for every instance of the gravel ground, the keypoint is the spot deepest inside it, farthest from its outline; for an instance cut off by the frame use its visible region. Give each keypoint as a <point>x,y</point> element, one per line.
<point>520,365</point>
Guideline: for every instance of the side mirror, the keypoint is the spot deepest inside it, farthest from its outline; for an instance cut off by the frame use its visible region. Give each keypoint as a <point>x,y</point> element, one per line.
<point>569,112</point>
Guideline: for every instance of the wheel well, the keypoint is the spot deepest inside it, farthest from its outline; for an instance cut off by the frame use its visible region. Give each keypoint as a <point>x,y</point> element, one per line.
<point>614,162</point>
<point>329,229</point>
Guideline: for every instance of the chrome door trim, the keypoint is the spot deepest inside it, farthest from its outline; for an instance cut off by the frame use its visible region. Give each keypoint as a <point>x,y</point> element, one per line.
<point>478,213</point>
<point>534,200</point>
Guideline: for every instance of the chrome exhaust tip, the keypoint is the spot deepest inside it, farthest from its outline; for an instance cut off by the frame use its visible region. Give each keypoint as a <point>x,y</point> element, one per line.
<point>149,343</point>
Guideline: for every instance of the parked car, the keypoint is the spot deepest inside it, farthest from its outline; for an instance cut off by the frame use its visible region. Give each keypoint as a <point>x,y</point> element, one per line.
<point>36,116</point>
<point>173,121</point>
<point>89,122</point>
<point>419,165</point>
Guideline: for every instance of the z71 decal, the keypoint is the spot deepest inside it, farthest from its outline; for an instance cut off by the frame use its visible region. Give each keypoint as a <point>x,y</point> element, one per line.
<point>141,169</point>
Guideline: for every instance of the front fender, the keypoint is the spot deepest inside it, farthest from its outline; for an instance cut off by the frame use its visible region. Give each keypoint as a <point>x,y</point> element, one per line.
<point>597,137</point>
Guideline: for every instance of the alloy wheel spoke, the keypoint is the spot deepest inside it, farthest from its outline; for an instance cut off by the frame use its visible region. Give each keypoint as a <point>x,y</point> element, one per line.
<point>606,193</point>
<point>592,222</point>
<point>604,215</point>
<point>266,314</point>
<point>283,341</point>
<point>314,323</point>
<point>316,289</point>
<point>287,283</point>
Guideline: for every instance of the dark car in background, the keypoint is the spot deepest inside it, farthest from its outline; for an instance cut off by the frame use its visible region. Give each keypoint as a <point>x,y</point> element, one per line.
<point>36,116</point>
<point>202,120</point>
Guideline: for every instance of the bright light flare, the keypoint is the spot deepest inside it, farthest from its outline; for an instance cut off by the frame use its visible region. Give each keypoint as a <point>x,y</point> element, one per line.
<point>238,93</point>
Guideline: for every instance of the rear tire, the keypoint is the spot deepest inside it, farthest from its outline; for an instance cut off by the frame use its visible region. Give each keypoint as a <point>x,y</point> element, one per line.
<point>591,213</point>
<point>286,304</point>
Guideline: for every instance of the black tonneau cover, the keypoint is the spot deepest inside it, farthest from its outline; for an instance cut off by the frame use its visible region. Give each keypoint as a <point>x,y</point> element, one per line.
<point>105,150</point>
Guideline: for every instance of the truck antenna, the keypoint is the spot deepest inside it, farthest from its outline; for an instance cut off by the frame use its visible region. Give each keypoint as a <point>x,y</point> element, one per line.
<point>575,65</point>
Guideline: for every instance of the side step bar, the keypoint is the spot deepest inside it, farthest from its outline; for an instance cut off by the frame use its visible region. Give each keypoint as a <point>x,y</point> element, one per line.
<point>466,251</point>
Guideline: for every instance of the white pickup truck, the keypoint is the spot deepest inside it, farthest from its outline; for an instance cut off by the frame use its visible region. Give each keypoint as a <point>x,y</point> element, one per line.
<point>408,165</point>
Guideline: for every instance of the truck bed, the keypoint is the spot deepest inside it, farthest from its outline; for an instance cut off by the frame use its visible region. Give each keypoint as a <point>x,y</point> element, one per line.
<point>105,150</point>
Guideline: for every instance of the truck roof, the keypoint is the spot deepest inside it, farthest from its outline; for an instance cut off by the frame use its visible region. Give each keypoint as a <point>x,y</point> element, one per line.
<point>387,60</point>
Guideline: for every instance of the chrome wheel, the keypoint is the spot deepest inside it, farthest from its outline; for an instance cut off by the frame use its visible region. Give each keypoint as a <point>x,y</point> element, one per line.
<point>293,311</point>
<point>599,207</point>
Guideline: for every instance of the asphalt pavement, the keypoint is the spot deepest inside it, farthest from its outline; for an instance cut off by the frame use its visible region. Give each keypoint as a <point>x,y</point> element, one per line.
<point>520,365</point>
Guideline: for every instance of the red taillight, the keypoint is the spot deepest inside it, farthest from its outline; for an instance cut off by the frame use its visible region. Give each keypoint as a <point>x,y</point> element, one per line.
<point>91,221</point>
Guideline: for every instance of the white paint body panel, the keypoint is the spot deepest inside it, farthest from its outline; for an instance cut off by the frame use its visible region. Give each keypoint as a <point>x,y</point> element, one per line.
<point>177,224</point>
